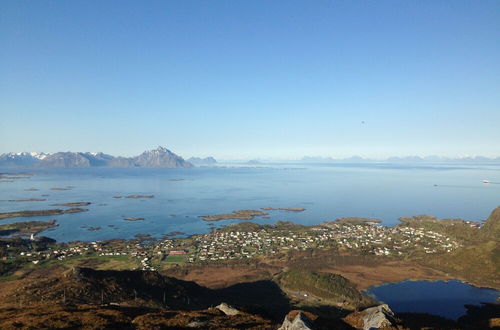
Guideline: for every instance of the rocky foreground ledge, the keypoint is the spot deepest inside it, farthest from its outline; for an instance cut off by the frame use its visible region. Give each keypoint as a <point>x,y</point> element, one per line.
<point>84,298</point>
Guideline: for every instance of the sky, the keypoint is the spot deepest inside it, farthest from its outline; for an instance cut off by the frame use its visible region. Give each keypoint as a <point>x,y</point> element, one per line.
<point>251,79</point>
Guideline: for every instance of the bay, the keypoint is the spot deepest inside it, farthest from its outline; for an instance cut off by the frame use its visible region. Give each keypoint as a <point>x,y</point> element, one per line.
<point>181,196</point>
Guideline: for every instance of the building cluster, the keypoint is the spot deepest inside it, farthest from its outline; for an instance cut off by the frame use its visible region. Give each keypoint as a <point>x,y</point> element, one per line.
<point>239,244</point>
<point>369,239</point>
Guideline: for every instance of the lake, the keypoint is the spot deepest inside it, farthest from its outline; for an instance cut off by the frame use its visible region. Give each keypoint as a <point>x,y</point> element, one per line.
<point>326,191</point>
<point>443,298</point>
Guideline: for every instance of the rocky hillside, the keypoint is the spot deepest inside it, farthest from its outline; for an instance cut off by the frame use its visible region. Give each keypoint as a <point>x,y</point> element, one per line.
<point>491,227</point>
<point>130,288</point>
<point>70,316</point>
<point>83,298</point>
<point>332,288</point>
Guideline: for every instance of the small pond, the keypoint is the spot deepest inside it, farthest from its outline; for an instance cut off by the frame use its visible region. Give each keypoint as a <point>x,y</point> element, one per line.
<point>443,298</point>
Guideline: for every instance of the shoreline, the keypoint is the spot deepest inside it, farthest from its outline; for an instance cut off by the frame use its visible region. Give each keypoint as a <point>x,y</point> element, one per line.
<point>436,280</point>
<point>359,249</point>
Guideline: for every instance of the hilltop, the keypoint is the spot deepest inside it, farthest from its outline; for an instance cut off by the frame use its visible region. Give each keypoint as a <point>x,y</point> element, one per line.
<point>491,227</point>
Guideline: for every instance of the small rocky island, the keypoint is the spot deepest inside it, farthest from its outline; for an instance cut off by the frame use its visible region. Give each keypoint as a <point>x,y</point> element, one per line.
<point>236,215</point>
<point>249,214</point>
<point>289,209</point>
<point>73,204</point>
<point>135,196</point>
<point>133,218</point>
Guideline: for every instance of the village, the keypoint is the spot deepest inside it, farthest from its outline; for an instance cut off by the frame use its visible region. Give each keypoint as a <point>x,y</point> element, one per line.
<point>366,239</point>
<point>236,242</point>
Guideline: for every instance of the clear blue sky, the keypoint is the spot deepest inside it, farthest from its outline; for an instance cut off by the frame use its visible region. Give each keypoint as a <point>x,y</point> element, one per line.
<point>249,79</point>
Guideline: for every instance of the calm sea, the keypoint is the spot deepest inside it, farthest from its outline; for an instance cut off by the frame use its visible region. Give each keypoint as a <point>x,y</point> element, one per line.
<point>327,191</point>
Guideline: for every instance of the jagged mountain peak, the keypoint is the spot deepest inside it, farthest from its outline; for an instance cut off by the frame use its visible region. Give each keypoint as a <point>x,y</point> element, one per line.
<point>162,149</point>
<point>160,158</point>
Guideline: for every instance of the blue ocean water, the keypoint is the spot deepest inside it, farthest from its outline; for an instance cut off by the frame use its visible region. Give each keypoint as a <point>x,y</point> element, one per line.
<point>327,191</point>
<point>443,298</point>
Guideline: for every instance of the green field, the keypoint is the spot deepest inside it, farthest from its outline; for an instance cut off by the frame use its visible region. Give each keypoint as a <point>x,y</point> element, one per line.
<point>176,258</point>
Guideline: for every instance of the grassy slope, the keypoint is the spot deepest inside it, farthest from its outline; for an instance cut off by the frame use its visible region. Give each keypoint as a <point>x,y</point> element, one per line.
<point>330,287</point>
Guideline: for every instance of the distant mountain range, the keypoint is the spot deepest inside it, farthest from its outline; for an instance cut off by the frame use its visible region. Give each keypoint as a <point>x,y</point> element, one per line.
<point>157,158</point>
<point>164,158</point>
<point>202,161</point>
<point>408,159</point>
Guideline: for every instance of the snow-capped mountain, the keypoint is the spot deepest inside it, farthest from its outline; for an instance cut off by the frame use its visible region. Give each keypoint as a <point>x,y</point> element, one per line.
<point>160,157</point>
<point>14,159</point>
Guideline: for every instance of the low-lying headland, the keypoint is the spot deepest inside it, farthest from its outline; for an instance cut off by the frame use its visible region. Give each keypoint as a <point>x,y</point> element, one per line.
<point>135,196</point>
<point>26,229</point>
<point>11,176</point>
<point>290,209</point>
<point>249,214</point>
<point>133,218</point>
<point>39,213</point>
<point>235,215</point>
<point>73,204</point>
<point>92,228</point>
<point>25,200</point>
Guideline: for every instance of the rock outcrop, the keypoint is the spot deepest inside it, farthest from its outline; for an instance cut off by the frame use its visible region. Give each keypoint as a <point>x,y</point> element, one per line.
<point>377,317</point>
<point>227,309</point>
<point>296,320</point>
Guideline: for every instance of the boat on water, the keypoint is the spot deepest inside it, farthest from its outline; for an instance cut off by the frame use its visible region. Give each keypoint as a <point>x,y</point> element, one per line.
<point>486,181</point>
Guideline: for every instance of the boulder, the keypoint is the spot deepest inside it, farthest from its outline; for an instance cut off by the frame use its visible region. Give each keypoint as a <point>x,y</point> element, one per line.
<point>299,321</point>
<point>377,317</point>
<point>197,324</point>
<point>226,309</point>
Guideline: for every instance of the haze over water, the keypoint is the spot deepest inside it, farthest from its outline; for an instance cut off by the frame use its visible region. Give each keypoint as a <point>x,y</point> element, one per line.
<point>326,191</point>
